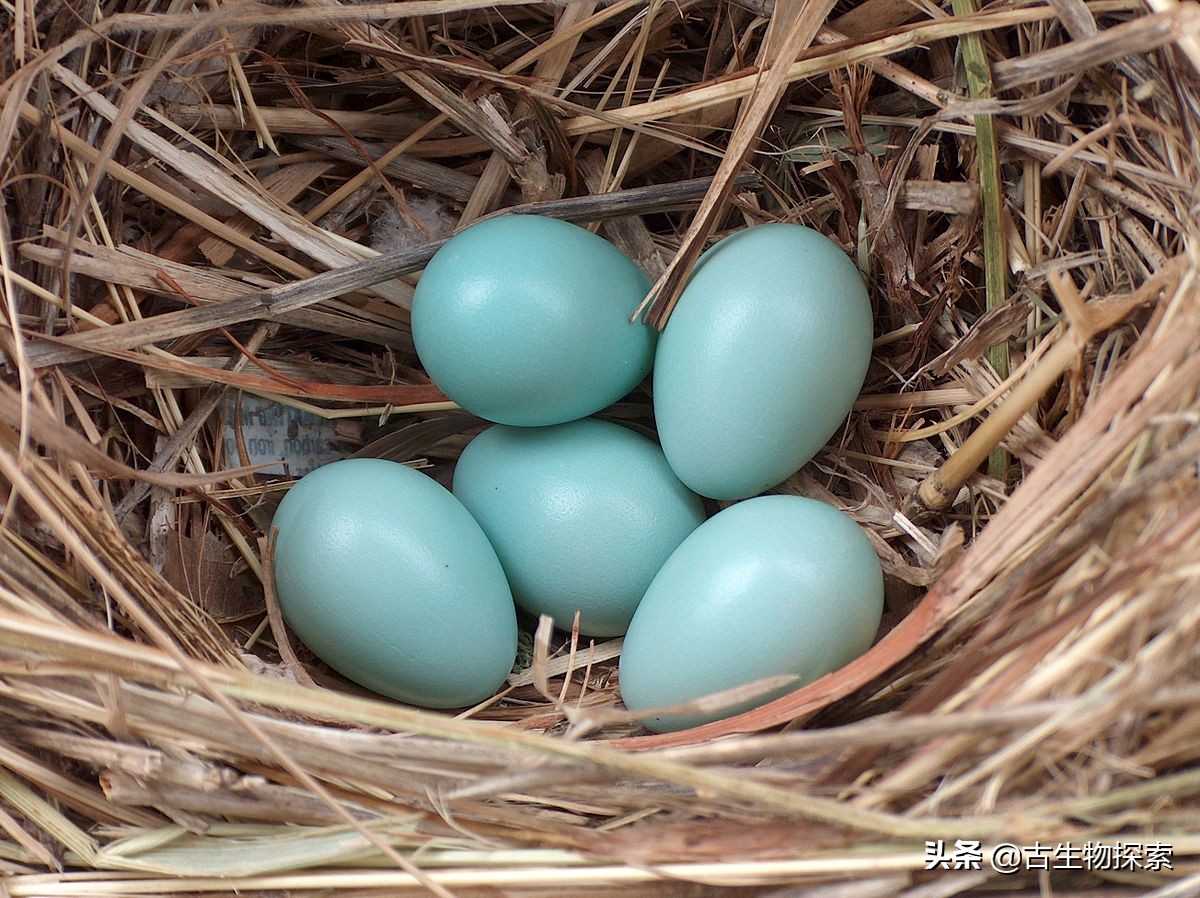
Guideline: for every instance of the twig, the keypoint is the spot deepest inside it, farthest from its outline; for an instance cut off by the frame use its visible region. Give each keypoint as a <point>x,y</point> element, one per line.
<point>766,94</point>
<point>340,281</point>
<point>940,489</point>
<point>266,550</point>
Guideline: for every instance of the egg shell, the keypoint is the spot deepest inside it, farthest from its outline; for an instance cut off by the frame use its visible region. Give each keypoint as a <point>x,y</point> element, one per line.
<point>389,580</point>
<point>582,516</point>
<point>761,359</point>
<point>773,586</point>
<point>524,320</point>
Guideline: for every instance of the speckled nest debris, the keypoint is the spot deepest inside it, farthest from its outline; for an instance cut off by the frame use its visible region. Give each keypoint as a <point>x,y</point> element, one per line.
<point>208,204</point>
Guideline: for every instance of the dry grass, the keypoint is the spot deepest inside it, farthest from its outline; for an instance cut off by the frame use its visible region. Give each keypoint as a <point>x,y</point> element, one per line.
<point>201,202</point>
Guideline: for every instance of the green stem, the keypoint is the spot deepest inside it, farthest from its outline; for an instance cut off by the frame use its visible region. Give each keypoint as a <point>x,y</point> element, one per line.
<point>979,83</point>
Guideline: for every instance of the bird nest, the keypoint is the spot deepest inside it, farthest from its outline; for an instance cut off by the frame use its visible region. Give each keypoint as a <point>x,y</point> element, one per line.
<point>212,221</point>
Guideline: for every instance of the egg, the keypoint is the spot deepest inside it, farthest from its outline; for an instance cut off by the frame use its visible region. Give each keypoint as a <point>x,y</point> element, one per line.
<point>773,586</point>
<point>524,320</point>
<point>389,580</point>
<point>761,359</point>
<point>582,516</point>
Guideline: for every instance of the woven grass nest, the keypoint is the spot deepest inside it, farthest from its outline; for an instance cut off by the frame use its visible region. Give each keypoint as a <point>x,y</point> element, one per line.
<point>218,204</point>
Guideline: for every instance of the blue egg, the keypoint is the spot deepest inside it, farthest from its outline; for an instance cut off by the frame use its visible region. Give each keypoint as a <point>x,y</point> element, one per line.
<point>773,586</point>
<point>582,516</point>
<point>761,360</point>
<point>525,320</point>
<point>389,580</point>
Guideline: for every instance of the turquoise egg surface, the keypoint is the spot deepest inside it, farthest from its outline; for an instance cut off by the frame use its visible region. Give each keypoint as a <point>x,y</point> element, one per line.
<point>524,320</point>
<point>389,580</point>
<point>582,516</point>
<point>761,360</point>
<point>773,586</point>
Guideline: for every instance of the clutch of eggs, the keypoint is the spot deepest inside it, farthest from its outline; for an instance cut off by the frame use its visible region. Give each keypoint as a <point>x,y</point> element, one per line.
<point>525,321</point>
